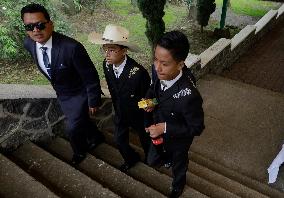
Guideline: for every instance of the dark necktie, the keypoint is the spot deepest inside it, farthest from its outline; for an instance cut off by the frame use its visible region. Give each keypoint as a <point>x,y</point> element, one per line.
<point>46,60</point>
<point>116,72</point>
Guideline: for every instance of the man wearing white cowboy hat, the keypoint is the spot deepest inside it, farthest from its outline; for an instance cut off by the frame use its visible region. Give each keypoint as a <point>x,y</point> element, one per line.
<point>128,83</point>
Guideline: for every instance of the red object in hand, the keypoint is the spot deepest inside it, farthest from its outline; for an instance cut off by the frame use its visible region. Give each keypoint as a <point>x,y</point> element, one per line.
<point>157,141</point>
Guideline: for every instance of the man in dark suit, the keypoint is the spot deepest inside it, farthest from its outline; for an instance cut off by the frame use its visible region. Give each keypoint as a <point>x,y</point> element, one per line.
<point>66,64</point>
<point>128,83</point>
<point>178,116</point>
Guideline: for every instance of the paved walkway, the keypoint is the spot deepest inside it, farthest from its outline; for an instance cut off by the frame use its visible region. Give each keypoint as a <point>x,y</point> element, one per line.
<point>263,65</point>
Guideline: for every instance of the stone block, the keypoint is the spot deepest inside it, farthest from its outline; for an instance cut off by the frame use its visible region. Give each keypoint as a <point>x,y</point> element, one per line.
<point>36,124</point>
<point>14,106</point>
<point>55,112</point>
<point>7,124</point>
<point>242,36</point>
<point>267,18</point>
<point>58,129</point>
<point>242,42</point>
<point>38,108</point>
<point>191,60</point>
<point>280,11</point>
<point>214,50</point>
<point>216,57</point>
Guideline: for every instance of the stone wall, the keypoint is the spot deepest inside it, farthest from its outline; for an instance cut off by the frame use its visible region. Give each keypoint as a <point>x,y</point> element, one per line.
<point>28,112</point>
<point>28,119</point>
<point>32,113</point>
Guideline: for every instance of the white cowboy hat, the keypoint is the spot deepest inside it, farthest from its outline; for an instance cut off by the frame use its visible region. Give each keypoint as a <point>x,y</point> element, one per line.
<point>113,34</point>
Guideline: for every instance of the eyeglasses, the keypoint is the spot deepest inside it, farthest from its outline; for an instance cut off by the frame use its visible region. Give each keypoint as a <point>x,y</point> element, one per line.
<point>32,26</point>
<point>105,51</point>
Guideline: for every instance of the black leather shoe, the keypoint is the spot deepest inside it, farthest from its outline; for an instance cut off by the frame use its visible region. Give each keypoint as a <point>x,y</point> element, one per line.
<point>125,167</point>
<point>94,144</point>
<point>175,193</point>
<point>168,165</point>
<point>77,158</point>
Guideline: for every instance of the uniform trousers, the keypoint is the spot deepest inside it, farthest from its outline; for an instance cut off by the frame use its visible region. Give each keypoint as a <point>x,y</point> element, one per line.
<point>80,129</point>
<point>179,158</point>
<point>121,137</point>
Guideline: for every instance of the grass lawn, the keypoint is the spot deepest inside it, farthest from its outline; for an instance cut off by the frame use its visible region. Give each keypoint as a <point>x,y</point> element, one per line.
<point>250,7</point>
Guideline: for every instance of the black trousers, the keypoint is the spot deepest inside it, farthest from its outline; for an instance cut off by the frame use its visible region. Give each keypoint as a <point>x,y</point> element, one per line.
<point>79,127</point>
<point>179,159</point>
<point>121,138</point>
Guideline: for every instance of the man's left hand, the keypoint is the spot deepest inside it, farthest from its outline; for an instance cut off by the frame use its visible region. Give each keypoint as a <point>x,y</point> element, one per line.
<point>92,111</point>
<point>156,130</point>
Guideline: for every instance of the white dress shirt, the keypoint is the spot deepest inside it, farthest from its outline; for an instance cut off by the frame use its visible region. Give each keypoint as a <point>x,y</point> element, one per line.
<point>118,69</point>
<point>48,44</point>
<point>166,84</point>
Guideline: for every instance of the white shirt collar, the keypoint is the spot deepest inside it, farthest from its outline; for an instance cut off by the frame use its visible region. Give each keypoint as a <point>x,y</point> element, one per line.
<point>169,83</point>
<point>48,44</point>
<point>119,69</point>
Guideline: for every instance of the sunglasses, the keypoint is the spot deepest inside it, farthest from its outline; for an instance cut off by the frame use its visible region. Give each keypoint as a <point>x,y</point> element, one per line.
<point>32,26</point>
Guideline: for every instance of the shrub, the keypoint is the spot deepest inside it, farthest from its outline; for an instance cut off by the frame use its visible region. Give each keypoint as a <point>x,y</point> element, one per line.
<point>204,9</point>
<point>153,12</point>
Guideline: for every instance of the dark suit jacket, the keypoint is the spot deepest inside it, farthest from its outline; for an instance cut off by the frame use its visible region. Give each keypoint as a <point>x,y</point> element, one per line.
<point>180,107</point>
<point>127,90</point>
<point>72,71</point>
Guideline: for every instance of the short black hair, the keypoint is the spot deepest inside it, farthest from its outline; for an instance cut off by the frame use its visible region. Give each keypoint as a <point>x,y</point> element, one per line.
<point>33,8</point>
<point>177,43</point>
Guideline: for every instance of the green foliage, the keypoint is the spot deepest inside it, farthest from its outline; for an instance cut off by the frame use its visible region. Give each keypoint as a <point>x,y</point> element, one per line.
<point>204,9</point>
<point>12,32</point>
<point>7,45</point>
<point>153,12</point>
<point>77,4</point>
<point>250,7</point>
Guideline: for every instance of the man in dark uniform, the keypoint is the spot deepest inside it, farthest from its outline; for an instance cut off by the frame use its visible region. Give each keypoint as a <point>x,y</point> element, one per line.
<point>66,64</point>
<point>178,116</point>
<point>128,83</point>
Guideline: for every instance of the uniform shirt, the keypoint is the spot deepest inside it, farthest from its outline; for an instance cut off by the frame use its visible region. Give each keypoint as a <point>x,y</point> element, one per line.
<point>48,44</point>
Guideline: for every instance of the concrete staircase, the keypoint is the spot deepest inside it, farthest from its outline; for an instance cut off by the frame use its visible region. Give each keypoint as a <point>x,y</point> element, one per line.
<point>43,170</point>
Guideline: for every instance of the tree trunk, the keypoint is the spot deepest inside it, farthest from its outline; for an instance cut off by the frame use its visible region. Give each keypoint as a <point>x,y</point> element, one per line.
<point>192,12</point>
<point>229,4</point>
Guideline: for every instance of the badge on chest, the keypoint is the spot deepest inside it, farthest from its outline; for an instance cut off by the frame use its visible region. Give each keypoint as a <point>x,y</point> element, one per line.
<point>182,93</point>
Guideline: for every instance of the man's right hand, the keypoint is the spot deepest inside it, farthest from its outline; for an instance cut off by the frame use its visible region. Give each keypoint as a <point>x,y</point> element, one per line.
<point>149,109</point>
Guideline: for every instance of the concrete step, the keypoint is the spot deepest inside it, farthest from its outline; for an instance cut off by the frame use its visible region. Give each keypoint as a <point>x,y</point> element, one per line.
<point>223,181</point>
<point>194,181</point>
<point>102,172</point>
<point>202,185</point>
<point>235,176</point>
<point>16,183</point>
<point>61,177</point>
<point>142,172</point>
